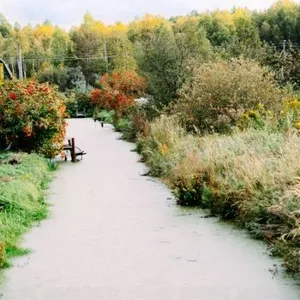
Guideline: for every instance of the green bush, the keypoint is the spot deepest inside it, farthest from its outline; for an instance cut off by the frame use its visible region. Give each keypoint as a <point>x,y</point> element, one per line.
<point>125,126</point>
<point>78,102</point>
<point>64,78</point>
<point>134,124</point>
<point>105,116</point>
<point>220,92</point>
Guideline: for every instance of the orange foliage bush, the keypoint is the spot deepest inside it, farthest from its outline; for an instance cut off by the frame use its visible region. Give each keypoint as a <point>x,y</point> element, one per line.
<point>118,91</point>
<point>31,117</point>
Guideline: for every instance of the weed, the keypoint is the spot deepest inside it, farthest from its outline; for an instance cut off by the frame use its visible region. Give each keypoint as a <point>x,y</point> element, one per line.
<point>250,176</point>
<point>21,199</point>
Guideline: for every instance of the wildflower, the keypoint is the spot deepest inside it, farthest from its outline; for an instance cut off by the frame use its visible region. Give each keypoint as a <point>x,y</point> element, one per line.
<point>12,96</point>
<point>164,149</point>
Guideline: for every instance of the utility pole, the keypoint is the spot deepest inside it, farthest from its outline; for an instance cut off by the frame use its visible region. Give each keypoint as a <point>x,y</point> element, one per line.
<point>284,58</point>
<point>25,70</point>
<point>284,48</point>
<point>123,55</point>
<point>20,61</point>
<point>105,55</point>
<point>33,66</point>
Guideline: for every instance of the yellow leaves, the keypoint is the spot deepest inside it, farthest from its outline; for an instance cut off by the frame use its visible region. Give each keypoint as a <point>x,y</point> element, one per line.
<point>224,17</point>
<point>181,20</point>
<point>98,26</point>
<point>290,105</point>
<point>297,125</point>
<point>148,23</point>
<point>151,22</point>
<point>104,30</point>
<point>118,29</point>
<point>241,13</point>
<point>45,31</point>
<point>184,22</point>
<point>284,4</point>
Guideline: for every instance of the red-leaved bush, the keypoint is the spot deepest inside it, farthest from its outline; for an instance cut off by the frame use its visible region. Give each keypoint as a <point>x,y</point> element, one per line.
<point>118,91</point>
<point>31,117</point>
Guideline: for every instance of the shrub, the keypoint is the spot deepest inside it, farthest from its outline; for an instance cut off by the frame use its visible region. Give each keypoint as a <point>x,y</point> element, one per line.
<point>104,115</point>
<point>78,102</point>
<point>251,176</point>
<point>64,78</point>
<point>220,92</point>
<point>290,114</point>
<point>118,91</point>
<point>133,125</point>
<point>160,146</point>
<point>124,125</point>
<point>31,117</point>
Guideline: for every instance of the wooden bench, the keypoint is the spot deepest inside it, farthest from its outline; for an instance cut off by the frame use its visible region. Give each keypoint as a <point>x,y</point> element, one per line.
<point>75,151</point>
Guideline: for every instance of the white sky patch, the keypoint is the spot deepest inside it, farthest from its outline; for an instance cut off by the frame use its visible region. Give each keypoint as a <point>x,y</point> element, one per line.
<point>66,13</point>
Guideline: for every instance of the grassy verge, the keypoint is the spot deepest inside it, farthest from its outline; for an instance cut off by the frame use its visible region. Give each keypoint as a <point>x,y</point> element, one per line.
<point>250,177</point>
<point>23,179</point>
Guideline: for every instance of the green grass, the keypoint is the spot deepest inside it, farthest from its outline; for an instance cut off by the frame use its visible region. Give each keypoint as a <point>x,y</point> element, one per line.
<point>22,187</point>
<point>251,177</point>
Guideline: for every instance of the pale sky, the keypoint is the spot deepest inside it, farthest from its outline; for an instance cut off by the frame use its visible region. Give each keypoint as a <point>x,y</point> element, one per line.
<point>66,13</point>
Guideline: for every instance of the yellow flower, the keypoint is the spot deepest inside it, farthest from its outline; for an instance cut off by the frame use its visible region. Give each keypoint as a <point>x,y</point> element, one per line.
<point>297,125</point>
<point>164,149</point>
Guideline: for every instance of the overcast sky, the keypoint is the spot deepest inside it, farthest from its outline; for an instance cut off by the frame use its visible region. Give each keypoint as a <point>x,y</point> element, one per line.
<point>70,12</point>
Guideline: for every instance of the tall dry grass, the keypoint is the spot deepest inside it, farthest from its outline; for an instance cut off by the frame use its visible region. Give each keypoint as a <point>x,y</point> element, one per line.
<point>251,176</point>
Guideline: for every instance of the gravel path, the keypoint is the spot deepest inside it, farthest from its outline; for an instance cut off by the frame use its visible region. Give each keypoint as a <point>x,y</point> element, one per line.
<point>116,235</point>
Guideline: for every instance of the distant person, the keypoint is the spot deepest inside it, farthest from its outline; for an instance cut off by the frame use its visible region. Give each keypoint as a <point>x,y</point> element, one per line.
<point>97,118</point>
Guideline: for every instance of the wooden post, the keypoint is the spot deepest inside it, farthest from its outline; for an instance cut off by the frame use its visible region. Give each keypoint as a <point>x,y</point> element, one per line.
<point>73,155</point>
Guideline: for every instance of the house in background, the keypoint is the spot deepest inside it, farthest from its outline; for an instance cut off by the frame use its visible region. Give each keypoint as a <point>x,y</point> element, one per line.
<point>5,73</point>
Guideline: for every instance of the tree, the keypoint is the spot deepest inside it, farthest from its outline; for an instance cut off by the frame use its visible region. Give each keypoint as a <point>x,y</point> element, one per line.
<point>65,78</point>
<point>5,27</point>
<point>165,52</point>
<point>246,41</point>
<point>88,48</point>
<point>159,61</point>
<point>219,27</point>
<point>119,48</point>
<point>191,40</point>
<point>280,22</point>
<point>60,45</point>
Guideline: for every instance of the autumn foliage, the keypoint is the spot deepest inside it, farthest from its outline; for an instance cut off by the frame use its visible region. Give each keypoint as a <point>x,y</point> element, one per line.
<point>31,117</point>
<point>118,91</point>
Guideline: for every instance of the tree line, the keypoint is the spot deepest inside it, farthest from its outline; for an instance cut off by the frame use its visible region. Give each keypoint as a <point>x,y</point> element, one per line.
<point>165,51</point>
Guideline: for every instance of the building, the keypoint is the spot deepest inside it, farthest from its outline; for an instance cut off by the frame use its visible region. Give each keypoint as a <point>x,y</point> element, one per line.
<point>5,73</point>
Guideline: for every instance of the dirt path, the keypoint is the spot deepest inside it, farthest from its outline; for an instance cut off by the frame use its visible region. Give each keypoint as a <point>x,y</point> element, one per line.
<point>116,235</point>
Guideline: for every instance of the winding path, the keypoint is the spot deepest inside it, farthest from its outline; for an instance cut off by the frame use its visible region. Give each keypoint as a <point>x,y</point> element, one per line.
<point>116,235</point>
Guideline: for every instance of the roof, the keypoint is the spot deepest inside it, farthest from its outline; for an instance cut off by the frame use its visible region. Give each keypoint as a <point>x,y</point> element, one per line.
<point>7,71</point>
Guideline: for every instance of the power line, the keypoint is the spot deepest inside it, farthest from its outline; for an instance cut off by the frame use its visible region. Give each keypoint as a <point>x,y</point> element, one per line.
<point>62,58</point>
